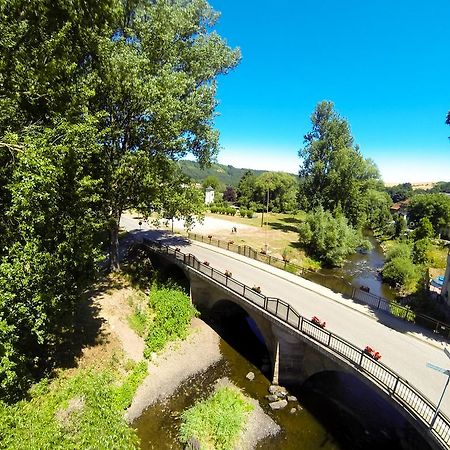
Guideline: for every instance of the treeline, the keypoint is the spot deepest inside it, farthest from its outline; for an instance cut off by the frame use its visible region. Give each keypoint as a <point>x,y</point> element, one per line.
<point>97,100</point>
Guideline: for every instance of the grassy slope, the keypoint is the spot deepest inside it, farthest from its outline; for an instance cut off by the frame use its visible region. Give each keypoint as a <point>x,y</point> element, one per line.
<point>81,407</point>
<point>228,175</point>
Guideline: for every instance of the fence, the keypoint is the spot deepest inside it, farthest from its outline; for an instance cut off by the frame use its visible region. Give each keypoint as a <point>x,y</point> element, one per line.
<point>397,387</point>
<point>334,283</point>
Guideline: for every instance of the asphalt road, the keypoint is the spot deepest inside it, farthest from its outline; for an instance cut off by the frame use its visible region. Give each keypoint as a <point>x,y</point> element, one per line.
<point>405,348</point>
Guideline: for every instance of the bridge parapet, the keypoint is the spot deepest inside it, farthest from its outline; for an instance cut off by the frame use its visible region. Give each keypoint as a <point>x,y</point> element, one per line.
<point>396,387</point>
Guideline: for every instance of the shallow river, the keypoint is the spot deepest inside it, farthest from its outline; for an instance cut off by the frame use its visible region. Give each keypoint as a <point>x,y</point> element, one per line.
<point>363,269</point>
<point>338,413</point>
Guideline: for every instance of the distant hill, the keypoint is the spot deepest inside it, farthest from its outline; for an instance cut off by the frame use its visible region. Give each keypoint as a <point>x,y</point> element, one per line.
<point>228,175</point>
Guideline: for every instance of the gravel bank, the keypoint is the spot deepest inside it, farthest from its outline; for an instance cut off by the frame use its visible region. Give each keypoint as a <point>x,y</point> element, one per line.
<point>177,363</point>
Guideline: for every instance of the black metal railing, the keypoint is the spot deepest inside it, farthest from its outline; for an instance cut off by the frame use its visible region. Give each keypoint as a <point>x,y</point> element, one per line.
<point>397,387</point>
<point>336,284</point>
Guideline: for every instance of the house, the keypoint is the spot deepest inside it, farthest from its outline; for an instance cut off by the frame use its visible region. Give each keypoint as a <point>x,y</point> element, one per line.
<point>401,208</point>
<point>209,195</point>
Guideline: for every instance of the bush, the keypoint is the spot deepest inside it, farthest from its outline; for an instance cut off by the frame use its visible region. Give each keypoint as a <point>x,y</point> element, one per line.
<point>401,273</point>
<point>250,213</point>
<point>400,250</point>
<point>218,421</point>
<point>242,212</point>
<point>330,239</point>
<point>173,313</point>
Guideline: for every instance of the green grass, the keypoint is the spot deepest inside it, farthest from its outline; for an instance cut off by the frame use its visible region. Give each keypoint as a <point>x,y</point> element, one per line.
<point>218,421</point>
<point>437,256</point>
<point>74,412</point>
<point>276,221</point>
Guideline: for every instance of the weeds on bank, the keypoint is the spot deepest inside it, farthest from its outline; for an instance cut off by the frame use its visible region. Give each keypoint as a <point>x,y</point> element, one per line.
<point>218,421</point>
<point>173,312</point>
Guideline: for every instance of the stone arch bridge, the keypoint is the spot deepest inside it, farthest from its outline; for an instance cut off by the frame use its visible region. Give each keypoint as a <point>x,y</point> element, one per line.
<point>298,348</point>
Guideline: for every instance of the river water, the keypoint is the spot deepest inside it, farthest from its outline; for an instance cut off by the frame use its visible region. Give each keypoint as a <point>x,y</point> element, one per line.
<point>338,412</point>
<point>363,269</point>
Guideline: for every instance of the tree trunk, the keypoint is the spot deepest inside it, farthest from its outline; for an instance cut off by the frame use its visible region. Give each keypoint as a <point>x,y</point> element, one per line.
<point>114,244</point>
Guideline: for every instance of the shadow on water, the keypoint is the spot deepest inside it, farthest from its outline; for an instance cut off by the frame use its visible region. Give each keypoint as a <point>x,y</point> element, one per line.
<point>338,410</point>
<point>356,415</point>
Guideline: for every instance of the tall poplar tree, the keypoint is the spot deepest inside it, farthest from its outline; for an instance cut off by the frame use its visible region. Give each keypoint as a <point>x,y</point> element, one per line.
<point>333,172</point>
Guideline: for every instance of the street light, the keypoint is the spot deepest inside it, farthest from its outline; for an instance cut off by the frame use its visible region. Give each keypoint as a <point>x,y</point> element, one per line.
<point>446,372</point>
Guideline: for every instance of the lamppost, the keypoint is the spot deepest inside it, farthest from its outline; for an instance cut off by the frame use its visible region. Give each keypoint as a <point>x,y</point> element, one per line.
<point>446,372</point>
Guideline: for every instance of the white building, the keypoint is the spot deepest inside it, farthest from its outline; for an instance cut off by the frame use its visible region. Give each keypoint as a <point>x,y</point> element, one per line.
<point>209,195</point>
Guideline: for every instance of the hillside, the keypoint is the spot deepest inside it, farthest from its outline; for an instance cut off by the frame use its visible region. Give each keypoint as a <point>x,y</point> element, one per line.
<point>228,175</point>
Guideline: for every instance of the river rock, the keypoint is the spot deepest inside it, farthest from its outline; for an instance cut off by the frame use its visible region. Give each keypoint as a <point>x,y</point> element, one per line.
<point>250,376</point>
<point>293,410</point>
<point>278,390</point>
<point>272,398</point>
<point>280,404</point>
<point>192,444</point>
<point>292,398</point>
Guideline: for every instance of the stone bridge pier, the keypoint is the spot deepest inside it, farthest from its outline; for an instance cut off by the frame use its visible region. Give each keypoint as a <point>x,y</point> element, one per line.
<point>294,358</point>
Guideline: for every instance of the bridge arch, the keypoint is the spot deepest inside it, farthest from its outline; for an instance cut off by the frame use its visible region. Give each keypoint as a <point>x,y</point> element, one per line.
<point>243,330</point>
<point>372,419</point>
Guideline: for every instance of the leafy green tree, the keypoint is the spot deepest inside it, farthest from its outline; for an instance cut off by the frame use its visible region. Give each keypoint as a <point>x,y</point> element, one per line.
<point>399,225</point>
<point>176,203</point>
<point>157,99</point>
<point>281,189</point>
<point>377,208</point>
<point>424,230</point>
<point>230,194</point>
<point>420,251</point>
<point>400,192</point>
<point>246,189</point>
<point>333,173</point>
<point>53,251</point>
<point>328,238</point>
<point>47,52</point>
<point>211,181</point>
<point>401,272</point>
<point>435,207</point>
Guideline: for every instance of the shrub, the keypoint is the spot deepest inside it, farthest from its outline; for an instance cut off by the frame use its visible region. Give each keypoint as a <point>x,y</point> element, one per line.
<point>330,239</point>
<point>250,213</point>
<point>173,313</point>
<point>400,250</point>
<point>401,273</point>
<point>217,421</point>
<point>242,212</point>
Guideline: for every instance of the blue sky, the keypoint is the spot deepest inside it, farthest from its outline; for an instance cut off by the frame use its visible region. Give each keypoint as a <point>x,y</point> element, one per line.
<point>384,64</point>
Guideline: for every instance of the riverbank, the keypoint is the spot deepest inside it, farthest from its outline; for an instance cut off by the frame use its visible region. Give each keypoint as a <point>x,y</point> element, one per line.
<point>176,364</point>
